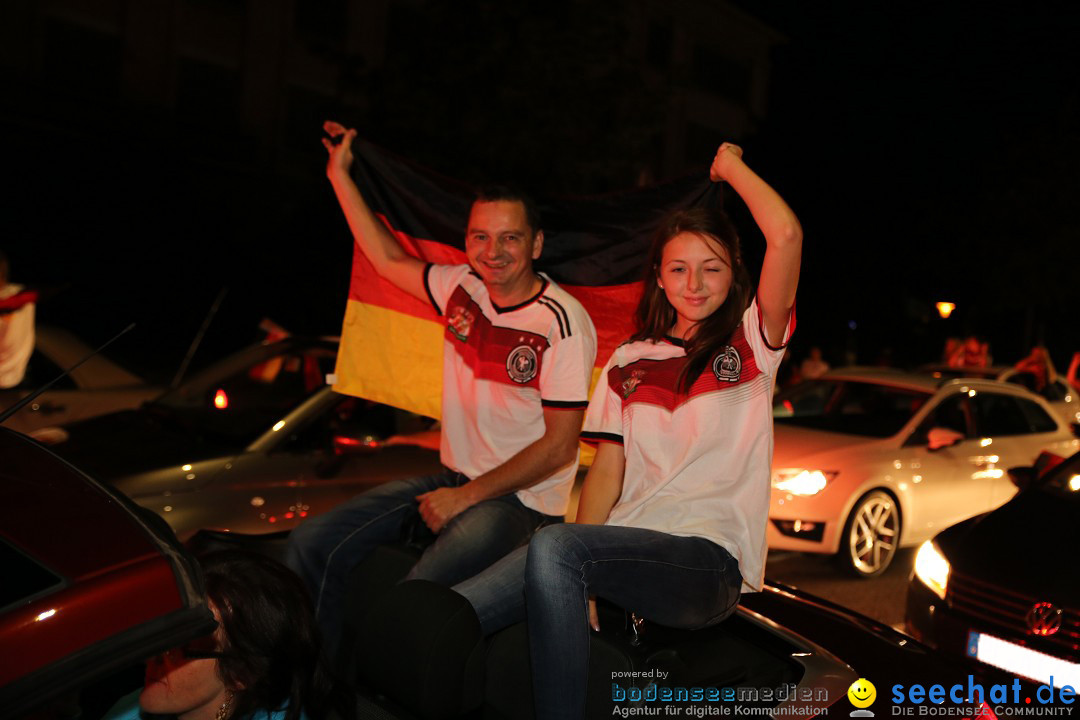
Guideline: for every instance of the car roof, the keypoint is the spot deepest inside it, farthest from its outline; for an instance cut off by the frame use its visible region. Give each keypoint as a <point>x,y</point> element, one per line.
<point>926,383</point>
<point>99,583</point>
<point>943,369</point>
<point>885,376</point>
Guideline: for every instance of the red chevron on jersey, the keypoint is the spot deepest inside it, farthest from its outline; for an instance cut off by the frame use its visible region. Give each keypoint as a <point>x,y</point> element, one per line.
<point>654,382</point>
<point>499,354</point>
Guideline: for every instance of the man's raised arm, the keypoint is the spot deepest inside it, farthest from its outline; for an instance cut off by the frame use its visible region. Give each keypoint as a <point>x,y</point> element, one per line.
<point>379,246</point>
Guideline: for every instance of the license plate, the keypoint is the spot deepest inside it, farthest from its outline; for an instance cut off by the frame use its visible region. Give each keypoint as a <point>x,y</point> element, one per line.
<point>1022,661</point>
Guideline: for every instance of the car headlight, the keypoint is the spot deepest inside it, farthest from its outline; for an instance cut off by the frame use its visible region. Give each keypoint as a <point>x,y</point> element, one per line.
<point>932,568</point>
<point>801,482</point>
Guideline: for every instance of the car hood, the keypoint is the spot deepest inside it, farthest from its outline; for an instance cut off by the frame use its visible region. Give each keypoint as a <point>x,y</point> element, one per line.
<point>796,446</point>
<point>134,441</point>
<point>1027,543</point>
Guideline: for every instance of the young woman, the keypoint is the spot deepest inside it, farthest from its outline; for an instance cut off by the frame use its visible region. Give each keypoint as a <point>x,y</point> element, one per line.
<point>671,522</point>
<point>262,663</point>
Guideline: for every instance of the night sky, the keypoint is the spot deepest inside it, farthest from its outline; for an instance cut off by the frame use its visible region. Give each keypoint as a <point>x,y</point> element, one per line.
<point>931,153</point>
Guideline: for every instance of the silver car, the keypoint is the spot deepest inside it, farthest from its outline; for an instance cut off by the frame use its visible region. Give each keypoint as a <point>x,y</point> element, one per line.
<point>869,460</point>
<point>254,444</point>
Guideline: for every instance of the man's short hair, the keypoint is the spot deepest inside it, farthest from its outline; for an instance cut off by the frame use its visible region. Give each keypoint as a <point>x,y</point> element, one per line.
<point>508,193</point>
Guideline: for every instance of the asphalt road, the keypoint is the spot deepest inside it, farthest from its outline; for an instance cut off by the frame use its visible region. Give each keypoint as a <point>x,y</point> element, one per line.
<point>881,598</point>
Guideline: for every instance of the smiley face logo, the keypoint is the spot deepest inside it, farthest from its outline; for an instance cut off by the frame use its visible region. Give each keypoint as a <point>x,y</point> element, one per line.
<point>862,693</point>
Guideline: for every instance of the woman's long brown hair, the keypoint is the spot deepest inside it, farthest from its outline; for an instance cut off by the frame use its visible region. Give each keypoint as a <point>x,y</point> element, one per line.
<point>656,316</point>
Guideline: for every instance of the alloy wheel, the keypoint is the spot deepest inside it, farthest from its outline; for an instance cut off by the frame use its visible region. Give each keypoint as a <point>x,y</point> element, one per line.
<point>872,534</point>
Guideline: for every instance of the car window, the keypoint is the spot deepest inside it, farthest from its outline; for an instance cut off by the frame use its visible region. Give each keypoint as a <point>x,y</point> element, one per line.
<point>854,408</point>
<point>245,403</point>
<point>997,414</point>
<point>351,417</point>
<point>24,578</point>
<point>1063,480</point>
<point>1038,419</point>
<point>952,413</point>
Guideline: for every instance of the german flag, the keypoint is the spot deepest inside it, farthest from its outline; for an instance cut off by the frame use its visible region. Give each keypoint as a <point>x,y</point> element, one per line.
<point>594,247</point>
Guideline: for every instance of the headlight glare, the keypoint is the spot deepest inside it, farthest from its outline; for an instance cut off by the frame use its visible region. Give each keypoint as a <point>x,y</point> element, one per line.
<point>801,482</point>
<point>932,568</point>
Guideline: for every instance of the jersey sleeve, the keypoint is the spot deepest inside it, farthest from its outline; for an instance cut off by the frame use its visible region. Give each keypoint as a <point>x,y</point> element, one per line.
<point>568,363</point>
<point>603,419</point>
<point>440,281</point>
<point>768,356</point>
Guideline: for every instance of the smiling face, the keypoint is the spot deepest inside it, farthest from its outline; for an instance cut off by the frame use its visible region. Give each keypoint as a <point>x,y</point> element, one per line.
<point>501,246</point>
<point>185,683</point>
<point>695,273</point>
<point>862,693</point>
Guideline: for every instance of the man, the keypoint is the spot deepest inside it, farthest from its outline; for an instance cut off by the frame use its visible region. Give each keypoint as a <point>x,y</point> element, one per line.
<point>16,328</point>
<point>517,360</point>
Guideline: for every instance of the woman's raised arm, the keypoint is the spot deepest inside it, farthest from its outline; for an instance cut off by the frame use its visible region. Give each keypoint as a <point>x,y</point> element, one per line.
<point>783,238</point>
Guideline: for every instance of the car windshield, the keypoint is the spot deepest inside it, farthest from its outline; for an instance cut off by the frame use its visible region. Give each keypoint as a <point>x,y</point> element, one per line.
<point>241,397</point>
<point>847,406</point>
<point>1064,480</point>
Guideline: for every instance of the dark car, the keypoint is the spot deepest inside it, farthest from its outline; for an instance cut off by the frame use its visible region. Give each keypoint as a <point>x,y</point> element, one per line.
<point>1002,588</point>
<point>783,653</point>
<point>253,444</point>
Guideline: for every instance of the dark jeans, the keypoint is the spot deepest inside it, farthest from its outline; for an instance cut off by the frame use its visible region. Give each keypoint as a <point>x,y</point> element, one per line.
<point>675,581</point>
<point>325,548</point>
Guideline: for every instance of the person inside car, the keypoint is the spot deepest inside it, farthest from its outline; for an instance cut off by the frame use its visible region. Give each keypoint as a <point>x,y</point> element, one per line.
<point>263,662</point>
<point>671,523</point>
<point>518,357</point>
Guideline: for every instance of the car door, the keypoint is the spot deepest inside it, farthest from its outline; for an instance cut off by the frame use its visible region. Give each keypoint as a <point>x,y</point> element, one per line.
<point>1016,430</point>
<point>336,450</point>
<point>948,484</point>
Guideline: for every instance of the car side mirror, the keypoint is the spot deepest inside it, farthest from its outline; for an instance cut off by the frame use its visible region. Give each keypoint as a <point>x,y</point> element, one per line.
<point>1022,477</point>
<point>941,437</point>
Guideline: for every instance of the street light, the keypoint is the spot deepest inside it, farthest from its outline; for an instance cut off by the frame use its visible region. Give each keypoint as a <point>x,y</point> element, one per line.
<point>945,309</point>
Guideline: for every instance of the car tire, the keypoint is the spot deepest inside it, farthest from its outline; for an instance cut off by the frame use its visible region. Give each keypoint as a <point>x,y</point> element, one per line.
<point>871,535</point>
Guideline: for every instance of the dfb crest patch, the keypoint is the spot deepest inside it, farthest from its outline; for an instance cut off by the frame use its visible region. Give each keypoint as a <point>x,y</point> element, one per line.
<point>631,383</point>
<point>521,364</point>
<point>460,322</point>
<point>727,367</point>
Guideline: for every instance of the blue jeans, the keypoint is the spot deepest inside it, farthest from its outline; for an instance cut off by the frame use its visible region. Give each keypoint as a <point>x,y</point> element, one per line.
<point>498,594</point>
<point>324,549</point>
<point>675,581</point>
